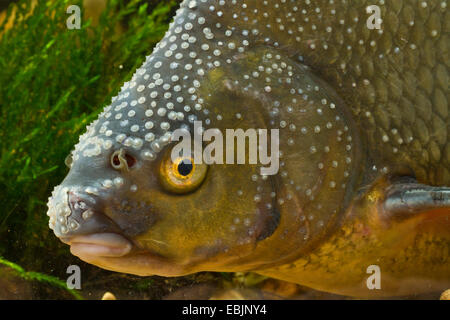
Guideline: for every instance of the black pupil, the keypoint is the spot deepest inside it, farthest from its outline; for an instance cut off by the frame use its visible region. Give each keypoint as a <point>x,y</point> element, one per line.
<point>185,167</point>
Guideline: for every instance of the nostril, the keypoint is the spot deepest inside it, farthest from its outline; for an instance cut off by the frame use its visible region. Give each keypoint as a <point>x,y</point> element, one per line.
<point>116,161</point>
<point>76,203</point>
<point>120,159</point>
<point>131,161</point>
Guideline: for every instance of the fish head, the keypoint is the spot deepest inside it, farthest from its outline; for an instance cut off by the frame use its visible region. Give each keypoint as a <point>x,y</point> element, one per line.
<point>129,205</point>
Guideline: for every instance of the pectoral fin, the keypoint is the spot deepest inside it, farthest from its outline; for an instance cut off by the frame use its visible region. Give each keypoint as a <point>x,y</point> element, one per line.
<point>396,201</point>
<point>407,199</point>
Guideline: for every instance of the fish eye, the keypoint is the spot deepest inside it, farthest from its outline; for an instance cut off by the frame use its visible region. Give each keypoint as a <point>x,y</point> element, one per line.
<point>120,159</point>
<point>185,167</point>
<point>181,175</point>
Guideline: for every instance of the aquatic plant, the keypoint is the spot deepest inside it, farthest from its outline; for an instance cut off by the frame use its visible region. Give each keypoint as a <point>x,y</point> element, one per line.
<point>37,276</point>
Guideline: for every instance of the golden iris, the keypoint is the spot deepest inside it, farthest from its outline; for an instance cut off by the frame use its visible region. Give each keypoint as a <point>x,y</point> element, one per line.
<point>181,175</point>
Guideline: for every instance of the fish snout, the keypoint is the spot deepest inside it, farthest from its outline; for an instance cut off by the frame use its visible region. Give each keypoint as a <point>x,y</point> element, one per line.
<point>79,208</point>
<point>73,213</point>
<point>77,221</point>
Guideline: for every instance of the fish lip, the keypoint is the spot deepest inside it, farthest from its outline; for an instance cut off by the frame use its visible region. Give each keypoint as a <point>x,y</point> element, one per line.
<point>99,244</point>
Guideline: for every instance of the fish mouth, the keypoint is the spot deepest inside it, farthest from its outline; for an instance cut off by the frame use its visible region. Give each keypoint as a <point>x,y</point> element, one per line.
<point>114,252</point>
<point>99,245</point>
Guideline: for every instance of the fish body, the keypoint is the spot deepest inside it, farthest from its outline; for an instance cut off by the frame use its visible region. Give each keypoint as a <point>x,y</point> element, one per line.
<point>364,157</point>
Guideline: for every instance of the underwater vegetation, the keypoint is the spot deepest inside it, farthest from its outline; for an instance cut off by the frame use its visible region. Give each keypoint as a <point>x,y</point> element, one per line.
<point>36,276</point>
<point>53,82</point>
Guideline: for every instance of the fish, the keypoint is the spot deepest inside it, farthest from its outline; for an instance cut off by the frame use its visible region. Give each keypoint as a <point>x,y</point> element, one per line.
<point>360,204</point>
